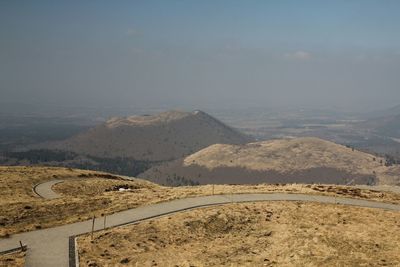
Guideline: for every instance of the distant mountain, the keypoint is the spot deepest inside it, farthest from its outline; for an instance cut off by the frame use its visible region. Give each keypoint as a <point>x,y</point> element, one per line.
<point>388,126</point>
<point>165,136</point>
<point>393,111</point>
<point>301,160</point>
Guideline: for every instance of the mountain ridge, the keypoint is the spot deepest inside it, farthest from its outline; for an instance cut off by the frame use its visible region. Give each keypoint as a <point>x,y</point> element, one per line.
<point>298,160</point>
<point>160,137</point>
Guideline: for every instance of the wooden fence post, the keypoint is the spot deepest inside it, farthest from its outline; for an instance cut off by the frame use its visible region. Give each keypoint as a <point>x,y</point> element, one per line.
<point>22,246</point>
<point>93,225</point>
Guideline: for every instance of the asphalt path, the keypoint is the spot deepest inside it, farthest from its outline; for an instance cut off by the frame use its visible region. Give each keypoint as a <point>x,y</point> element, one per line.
<point>45,190</point>
<point>49,247</point>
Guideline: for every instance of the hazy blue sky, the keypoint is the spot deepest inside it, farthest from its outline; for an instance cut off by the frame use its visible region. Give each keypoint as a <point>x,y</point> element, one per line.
<point>201,53</point>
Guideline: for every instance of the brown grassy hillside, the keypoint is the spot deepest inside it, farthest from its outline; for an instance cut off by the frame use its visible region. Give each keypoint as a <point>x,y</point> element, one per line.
<point>252,234</point>
<point>87,193</point>
<point>16,259</point>
<point>164,136</point>
<point>302,160</point>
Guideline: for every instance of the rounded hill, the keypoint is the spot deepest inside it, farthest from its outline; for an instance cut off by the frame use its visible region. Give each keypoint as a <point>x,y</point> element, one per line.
<point>160,137</point>
<point>301,160</point>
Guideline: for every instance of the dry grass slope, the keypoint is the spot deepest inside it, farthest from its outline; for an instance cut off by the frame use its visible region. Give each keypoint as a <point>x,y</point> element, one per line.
<point>16,259</point>
<point>22,210</point>
<point>87,193</point>
<point>298,160</point>
<point>252,234</point>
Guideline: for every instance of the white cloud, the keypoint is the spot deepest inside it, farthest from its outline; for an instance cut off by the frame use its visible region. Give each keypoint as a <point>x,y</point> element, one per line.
<point>298,55</point>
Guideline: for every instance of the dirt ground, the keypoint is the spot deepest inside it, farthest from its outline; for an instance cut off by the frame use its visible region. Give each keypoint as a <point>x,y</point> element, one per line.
<point>88,193</point>
<point>16,259</point>
<point>252,234</point>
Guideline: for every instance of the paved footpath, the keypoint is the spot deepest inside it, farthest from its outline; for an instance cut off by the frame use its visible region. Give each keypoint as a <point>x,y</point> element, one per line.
<point>49,247</point>
<point>44,189</point>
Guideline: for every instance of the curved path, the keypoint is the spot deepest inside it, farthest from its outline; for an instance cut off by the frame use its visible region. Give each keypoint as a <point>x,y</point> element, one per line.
<point>50,247</point>
<point>45,190</point>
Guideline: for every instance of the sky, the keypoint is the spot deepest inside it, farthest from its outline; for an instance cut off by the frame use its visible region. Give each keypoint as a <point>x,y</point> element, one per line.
<point>201,54</point>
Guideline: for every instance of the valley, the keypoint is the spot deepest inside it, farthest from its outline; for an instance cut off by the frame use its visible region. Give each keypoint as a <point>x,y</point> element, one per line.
<point>144,145</point>
<point>154,167</point>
